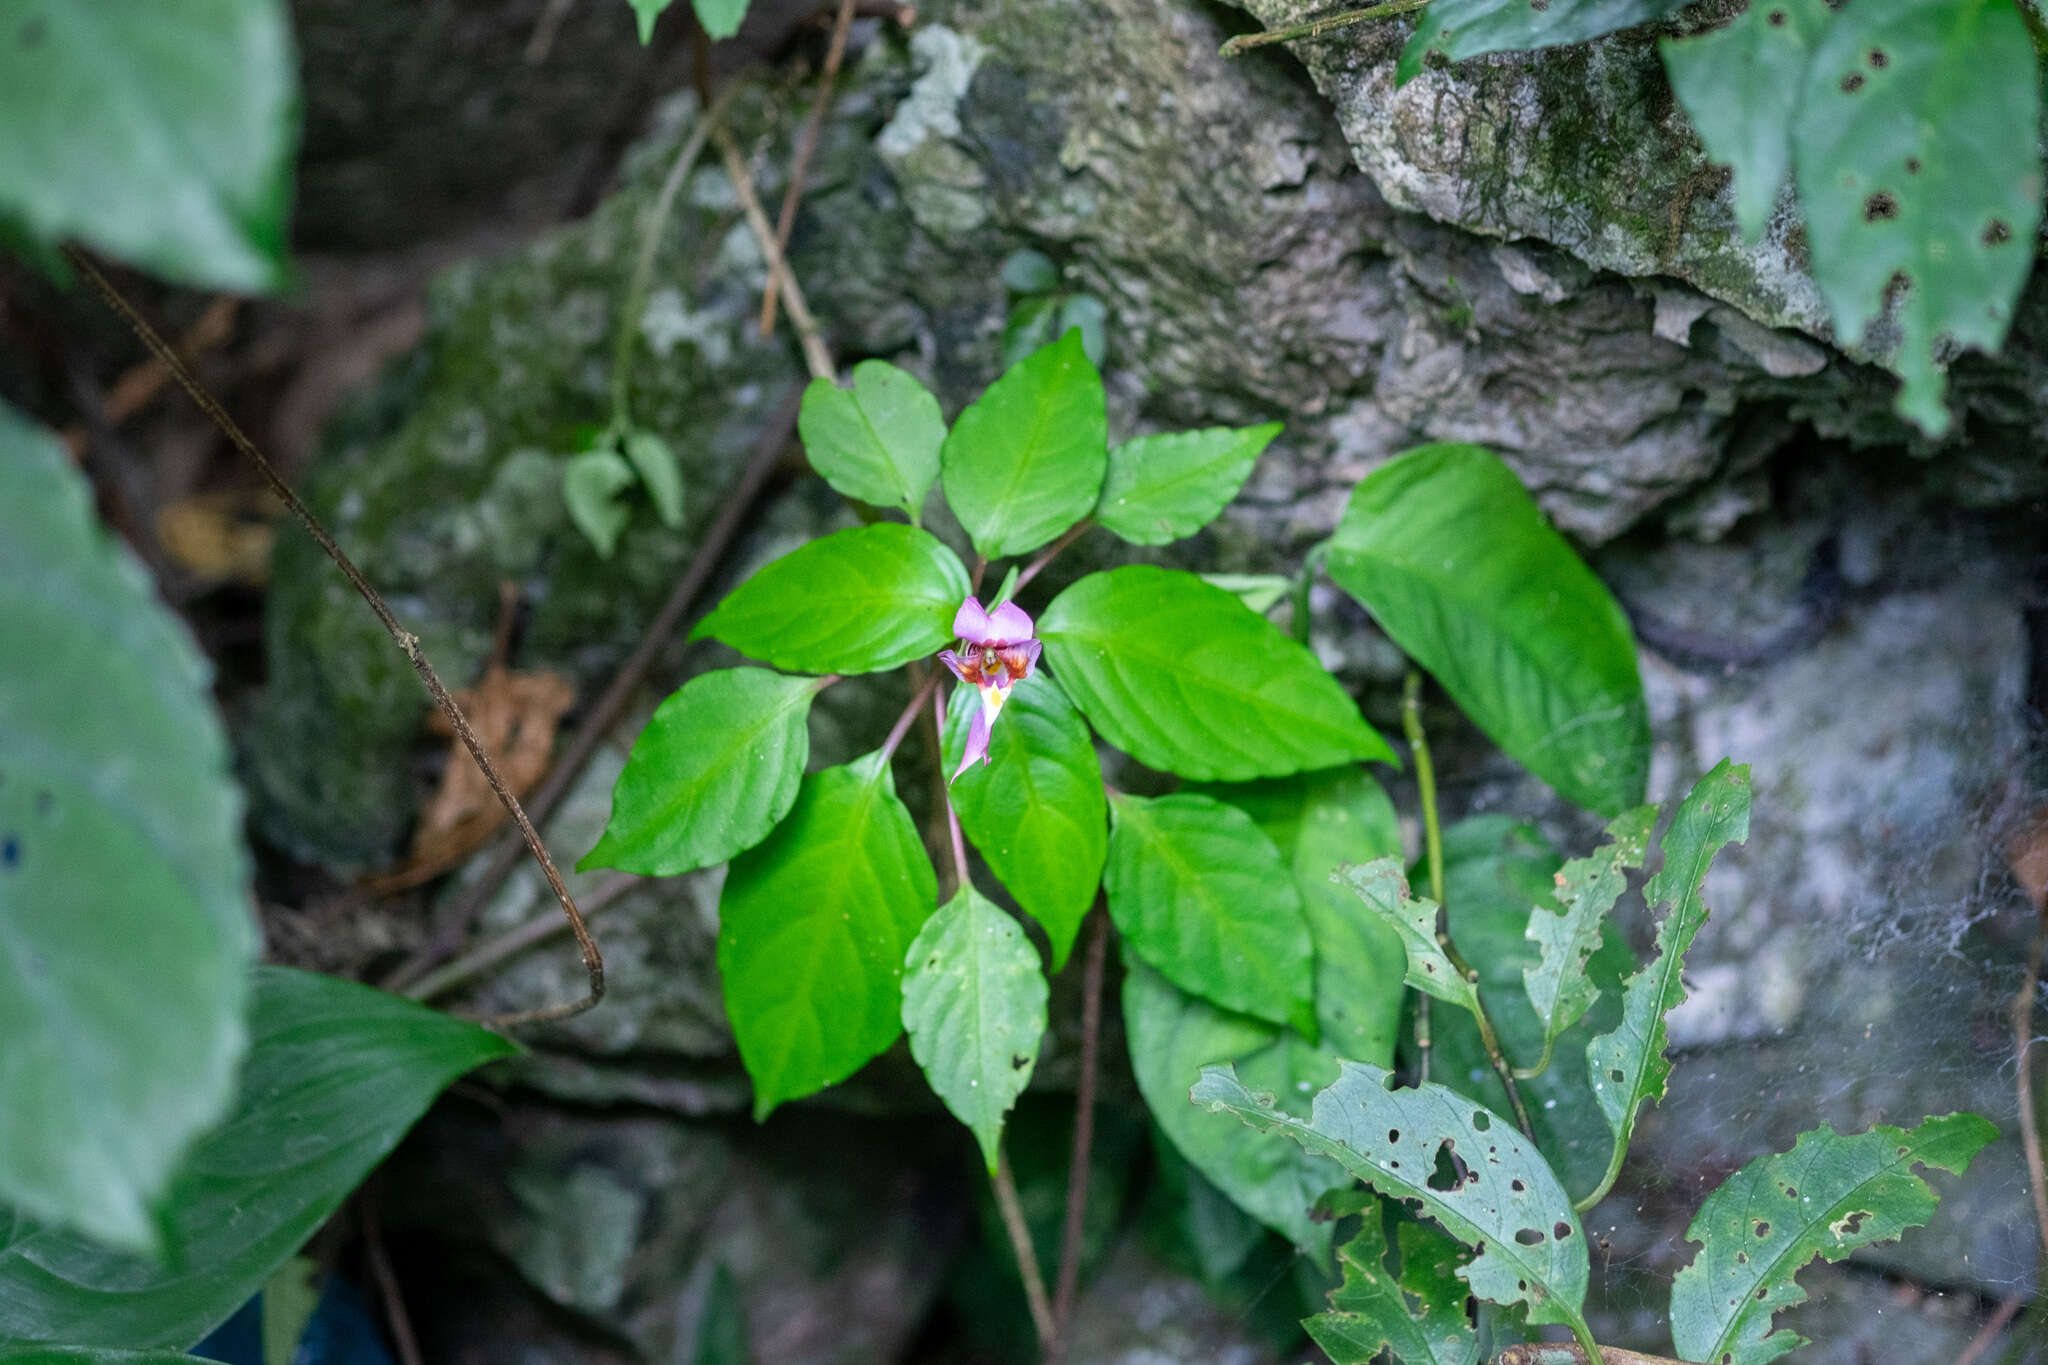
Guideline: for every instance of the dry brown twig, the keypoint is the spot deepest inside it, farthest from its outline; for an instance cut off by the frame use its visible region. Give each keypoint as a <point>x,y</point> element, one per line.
<point>806,148</point>
<point>2028,857</point>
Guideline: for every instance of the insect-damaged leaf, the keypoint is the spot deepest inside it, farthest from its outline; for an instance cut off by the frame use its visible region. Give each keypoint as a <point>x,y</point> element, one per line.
<point>1419,1315</point>
<point>1559,990</point>
<point>1468,28</point>
<point>1384,889</point>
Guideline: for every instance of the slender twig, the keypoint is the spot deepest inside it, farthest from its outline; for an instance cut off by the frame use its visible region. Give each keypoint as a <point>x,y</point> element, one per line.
<point>1069,1281</point>
<point>1316,28</point>
<point>1020,1244</point>
<point>1993,1325</point>
<point>806,148</point>
<point>518,938</point>
<point>462,909</point>
<point>815,355</point>
<point>593,960</point>
<point>1051,552</point>
<point>2022,1041</point>
<point>1571,1353</point>
<point>1425,780</point>
<point>400,1322</point>
<point>909,716</point>
<point>960,878</point>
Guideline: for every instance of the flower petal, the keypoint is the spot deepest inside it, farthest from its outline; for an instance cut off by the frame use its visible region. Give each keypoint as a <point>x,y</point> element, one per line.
<point>961,668</point>
<point>977,742</point>
<point>1008,625</point>
<point>971,623</point>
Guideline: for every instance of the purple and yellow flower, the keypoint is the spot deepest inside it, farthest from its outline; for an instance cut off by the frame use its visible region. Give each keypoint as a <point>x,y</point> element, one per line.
<point>999,652</point>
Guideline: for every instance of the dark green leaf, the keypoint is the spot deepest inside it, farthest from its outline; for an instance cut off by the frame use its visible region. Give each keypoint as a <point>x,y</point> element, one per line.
<point>857,601</point>
<point>1502,1201</point>
<point>974,1005</point>
<point>878,442</point>
<point>656,464</point>
<point>1628,1065</point>
<point>1419,1314</point>
<point>813,927</point>
<point>1029,272</point>
<point>1200,893</point>
<point>1032,323</point>
<point>336,1073</point>
<point>1455,561</point>
<point>722,1332</point>
<point>1025,461</point>
<point>1088,315</point>
<point>721,18</point>
<point>1467,28</point>
<point>715,769</point>
<point>591,484</point>
<point>1914,166</point>
<point>1036,809</point>
<point>86,1355</point>
<point>1558,988</point>
<point>1823,1199</point>
<point>1181,676</point>
<point>162,134</point>
<point>1740,87</point>
<point>125,936</point>
<point>1161,488</point>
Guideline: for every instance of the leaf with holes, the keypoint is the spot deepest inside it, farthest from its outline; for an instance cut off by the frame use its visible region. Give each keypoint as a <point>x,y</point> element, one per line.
<point>1161,488</point>
<point>1628,1065</point>
<point>1921,197</point>
<point>1419,1314</point>
<point>1459,1165</point>
<point>1384,890</point>
<point>1457,563</point>
<point>1559,990</point>
<point>1823,1199</point>
<point>856,601</point>
<point>974,1005</point>
<point>1025,461</point>
<point>1458,29</point>
<point>717,766</point>
<point>878,442</point>
<point>1740,87</point>
<point>1036,809</point>
<point>813,926</point>
<point>1199,892</point>
<point>125,934</point>
<point>1183,677</point>
<point>336,1074</point>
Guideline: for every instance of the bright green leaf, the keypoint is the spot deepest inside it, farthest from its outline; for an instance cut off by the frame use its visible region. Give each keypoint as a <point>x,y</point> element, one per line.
<point>1036,809</point>
<point>159,133</point>
<point>125,935</point>
<point>1031,325</point>
<point>721,18</point>
<point>1740,87</point>
<point>1468,28</point>
<point>974,1006</point>
<point>1628,1065</point>
<point>1025,461</point>
<point>1503,1201</point>
<point>856,601</point>
<point>656,464</point>
<point>1458,565</point>
<point>1384,891</point>
<point>1258,591</point>
<point>1920,179</point>
<point>591,484</point>
<point>1418,1315</point>
<point>1088,315</point>
<point>1161,488</point>
<point>878,442</point>
<point>336,1073</point>
<point>1823,1199</point>
<point>1558,987</point>
<point>813,927</point>
<point>1200,893</point>
<point>1181,676</point>
<point>717,766</point>
<point>645,12</point>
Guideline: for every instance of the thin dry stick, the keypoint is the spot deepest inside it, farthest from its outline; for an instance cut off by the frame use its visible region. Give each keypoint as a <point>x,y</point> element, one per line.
<point>909,716</point>
<point>1084,1135</point>
<point>518,938</point>
<point>402,1338</point>
<point>806,148</point>
<point>1020,1244</point>
<point>1052,551</point>
<point>2023,1041</point>
<point>1316,28</point>
<point>1993,1325</point>
<point>815,355</point>
<point>593,961</point>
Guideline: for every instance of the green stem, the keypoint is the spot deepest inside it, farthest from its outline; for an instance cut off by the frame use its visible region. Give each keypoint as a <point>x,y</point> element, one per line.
<point>1012,1212</point>
<point>1599,1191</point>
<point>1433,841</point>
<point>1316,28</point>
<point>1302,585</point>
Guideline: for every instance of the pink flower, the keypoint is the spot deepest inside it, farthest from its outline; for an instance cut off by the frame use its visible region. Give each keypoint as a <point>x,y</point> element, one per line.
<point>1000,654</point>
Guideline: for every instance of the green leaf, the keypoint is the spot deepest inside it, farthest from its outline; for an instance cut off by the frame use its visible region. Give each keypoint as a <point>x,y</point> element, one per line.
<point>1558,988</point>
<point>722,1331</point>
<point>1088,315</point>
<point>721,18</point>
<point>974,1005</point>
<point>656,464</point>
<point>1025,461</point>
<point>1912,166</point>
<point>1384,890</point>
<point>1029,272</point>
<point>1036,809</point>
<point>878,443</point>
<point>125,935</point>
<point>1200,893</point>
<point>1419,1315</point>
<point>1172,1036</point>
<point>856,601</point>
<point>813,927</point>
<point>1740,87</point>
<point>717,766</point>
<point>1501,1200</point>
<point>288,1301</point>
<point>86,1355</point>
<point>1032,323</point>
<point>591,484</point>
<point>1258,591</point>
<point>336,1073</point>
<point>162,134</point>
<point>1455,561</point>
<point>1161,488</point>
<point>1628,1065</point>
<point>1468,28</point>
<point>1823,1199</point>
<point>1183,677</point>
<point>645,12</point>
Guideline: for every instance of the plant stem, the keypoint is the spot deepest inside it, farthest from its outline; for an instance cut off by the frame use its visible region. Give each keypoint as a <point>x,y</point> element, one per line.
<point>904,721</point>
<point>1316,28</point>
<point>1020,1243</point>
<point>1582,1352</point>
<point>1433,839</point>
<point>806,148</point>
<point>816,357</point>
<point>541,927</point>
<point>960,879</point>
<point>1084,1134</point>
<point>1051,552</point>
